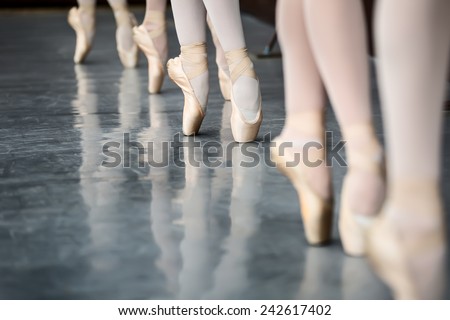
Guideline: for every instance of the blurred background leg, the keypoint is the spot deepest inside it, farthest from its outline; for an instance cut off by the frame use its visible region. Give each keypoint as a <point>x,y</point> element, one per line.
<point>413,46</point>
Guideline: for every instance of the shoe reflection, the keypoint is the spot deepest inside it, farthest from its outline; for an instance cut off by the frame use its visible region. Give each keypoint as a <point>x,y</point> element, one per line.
<point>231,275</point>
<point>202,275</point>
<point>222,176</point>
<point>95,196</point>
<point>101,186</point>
<point>129,99</point>
<point>88,123</point>
<point>113,268</point>
<point>129,114</point>
<point>195,275</point>
<point>162,213</point>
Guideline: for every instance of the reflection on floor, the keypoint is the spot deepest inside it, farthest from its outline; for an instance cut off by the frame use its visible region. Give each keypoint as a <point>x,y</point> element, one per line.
<point>75,225</point>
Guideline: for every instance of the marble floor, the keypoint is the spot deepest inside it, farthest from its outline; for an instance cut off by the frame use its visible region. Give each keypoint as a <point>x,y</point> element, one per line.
<point>75,225</point>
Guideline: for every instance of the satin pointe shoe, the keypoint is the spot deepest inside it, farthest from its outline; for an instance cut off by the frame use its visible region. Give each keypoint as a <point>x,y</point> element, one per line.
<point>407,243</point>
<point>316,211</point>
<point>144,40</point>
<point>354,224</point>
<point>224,77</point>
<point>244,129</point>
<point>195,60</point>
<point>128,56</point>
<point>84,31</point>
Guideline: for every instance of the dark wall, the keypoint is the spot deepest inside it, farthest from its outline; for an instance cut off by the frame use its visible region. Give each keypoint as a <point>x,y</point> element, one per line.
<point>265,10</point>
<point>369,8</point>
<point>262,9</point>
<point>50,3</point>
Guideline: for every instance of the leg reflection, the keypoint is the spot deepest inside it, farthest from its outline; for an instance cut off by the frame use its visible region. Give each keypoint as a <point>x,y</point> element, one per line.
<point>114,218</point>
<point>105,185</point>
<point>85,105</point>
<point>129,99</point>
<point>194,277</point>
<point>230,277</point>
<point>221,180</point>
<point>162,216</point>
<point>96,195</point>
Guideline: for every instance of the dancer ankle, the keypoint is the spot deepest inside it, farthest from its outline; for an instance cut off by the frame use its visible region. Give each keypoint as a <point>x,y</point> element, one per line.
<point>154,20</point>
<point>303,125</point>
<point>195,65</point>
<point>362,145</point>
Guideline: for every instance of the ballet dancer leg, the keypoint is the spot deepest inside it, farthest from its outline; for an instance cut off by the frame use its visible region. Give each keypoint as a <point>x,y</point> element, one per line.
<point>336,31</point>
<point>245,97</point>
<point>304,125</point>
<point>82,20</point>
<point>190,70</point>
<point>154,11</point>
<point>151,37</point>
<point>222,64</point>
<point>407,243</point>
<point>125,21</point>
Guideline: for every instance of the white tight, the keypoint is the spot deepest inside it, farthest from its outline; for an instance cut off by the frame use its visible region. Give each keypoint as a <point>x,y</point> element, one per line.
<point>324,45</point>
<point>413,48</point>
<point>190,23</point>
<point>324,42</point>
<point>151,24</point>
<point>121,14</point>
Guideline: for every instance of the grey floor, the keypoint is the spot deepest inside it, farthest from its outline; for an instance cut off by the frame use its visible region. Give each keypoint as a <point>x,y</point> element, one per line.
<point>73,228</point>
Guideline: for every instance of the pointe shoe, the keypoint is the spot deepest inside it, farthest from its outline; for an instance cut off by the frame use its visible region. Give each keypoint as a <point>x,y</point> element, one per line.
<point>144,40</point>
<point>224,78</point>
<point>316,211</point>
<point>411,263</point>
<point>128,57</point>
<point>244,130</point>
<point>193,56</point>
<point>84,32</point>
<point>353,226</point>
